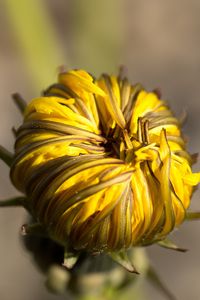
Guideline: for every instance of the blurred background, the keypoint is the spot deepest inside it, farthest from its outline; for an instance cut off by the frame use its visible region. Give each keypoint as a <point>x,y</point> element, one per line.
<point>158,42</point>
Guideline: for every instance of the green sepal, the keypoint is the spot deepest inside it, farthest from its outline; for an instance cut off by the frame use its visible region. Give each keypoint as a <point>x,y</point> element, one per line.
<point>20,102</point>
<point>6,156</point>
<point>33,229</point>
<point>70,259</point>
<point>14,131</point>
<point>191,216</point>
<point>170,245</point>
<point>183,117</point>
<point>17,201</point>
<point>122,259</point>
<point>158,283</point>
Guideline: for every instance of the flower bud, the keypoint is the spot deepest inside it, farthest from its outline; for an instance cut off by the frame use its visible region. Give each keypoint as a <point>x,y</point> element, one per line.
<point>103,165</point>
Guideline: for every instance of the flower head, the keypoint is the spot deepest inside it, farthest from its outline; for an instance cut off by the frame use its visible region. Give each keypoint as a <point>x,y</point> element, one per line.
<point>103,166</point>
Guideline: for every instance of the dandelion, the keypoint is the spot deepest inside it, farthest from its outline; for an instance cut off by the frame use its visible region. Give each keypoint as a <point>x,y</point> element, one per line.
<point>103,166</point>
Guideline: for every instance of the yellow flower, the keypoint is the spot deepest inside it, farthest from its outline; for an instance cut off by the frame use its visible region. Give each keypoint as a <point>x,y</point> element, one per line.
<point>103,164</point>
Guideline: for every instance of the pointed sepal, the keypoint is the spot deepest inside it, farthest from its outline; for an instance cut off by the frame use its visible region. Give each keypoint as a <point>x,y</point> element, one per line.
<point>14,131</point>
<point>192,216</point>
<point>121,257</point>
<point>6,156</point>
<point>33,229</point>
<point>170,245</point>
<point>20,102</point>
<point>16,201</point>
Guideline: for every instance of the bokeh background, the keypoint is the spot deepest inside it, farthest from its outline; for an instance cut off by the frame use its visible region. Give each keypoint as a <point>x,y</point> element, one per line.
<point>159,43</point>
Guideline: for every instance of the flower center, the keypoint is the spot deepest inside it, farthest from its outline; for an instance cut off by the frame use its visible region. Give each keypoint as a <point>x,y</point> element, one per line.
<point>121,144</point>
